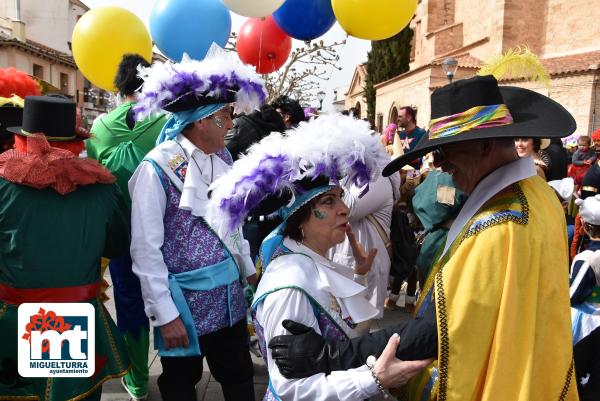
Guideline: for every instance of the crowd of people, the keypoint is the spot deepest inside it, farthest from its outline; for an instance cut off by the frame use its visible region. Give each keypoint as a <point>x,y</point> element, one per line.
<point>212,209</point>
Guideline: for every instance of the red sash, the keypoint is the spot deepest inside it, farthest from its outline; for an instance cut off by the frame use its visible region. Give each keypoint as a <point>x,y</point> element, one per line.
<point>78,293</point>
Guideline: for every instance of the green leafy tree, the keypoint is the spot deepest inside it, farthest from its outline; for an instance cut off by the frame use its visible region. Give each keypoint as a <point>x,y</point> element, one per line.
<point>387,59</point>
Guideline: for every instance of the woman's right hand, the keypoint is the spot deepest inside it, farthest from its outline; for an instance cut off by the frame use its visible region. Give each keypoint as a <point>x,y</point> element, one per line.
<point>391,371</point>
<point>363,260</point>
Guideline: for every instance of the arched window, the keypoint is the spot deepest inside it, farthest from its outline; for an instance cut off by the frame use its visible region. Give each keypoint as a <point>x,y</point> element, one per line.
<point>358,111</point>
<point>393,115</point>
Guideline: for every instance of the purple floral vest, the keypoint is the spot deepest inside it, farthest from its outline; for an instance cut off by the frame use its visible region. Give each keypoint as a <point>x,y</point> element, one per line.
<point>190,244</point>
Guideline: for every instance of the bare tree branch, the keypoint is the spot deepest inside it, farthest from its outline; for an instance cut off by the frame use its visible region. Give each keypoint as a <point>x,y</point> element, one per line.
<point>303,72</point>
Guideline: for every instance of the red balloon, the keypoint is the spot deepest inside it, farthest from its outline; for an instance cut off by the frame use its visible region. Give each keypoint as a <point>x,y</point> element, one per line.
<point>263,44</point>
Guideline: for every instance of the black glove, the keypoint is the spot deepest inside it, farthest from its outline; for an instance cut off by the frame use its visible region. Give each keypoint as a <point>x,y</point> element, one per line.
<point>305,353</point>
<point>302,354</point>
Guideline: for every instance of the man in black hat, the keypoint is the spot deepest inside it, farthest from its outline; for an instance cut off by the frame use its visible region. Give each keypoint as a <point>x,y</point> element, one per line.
<point>484,310</point>
<point>59,215</point>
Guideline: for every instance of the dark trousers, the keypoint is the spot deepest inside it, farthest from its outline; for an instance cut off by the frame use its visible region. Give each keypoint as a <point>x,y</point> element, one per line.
<point>228,356</point>
<point>587,365</point>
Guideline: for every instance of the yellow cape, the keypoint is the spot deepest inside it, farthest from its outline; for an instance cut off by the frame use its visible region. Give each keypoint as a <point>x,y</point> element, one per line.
<point>502,303</point>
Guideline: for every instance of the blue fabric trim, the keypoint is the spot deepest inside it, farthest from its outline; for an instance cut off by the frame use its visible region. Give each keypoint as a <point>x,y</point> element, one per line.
<point>582,311</point>
<point>425,303</point>
<point>270,245</point>
<point>495,216</point>
<point>429,386</point>
<point>229,303</point>
<point>207,278</point>
<point>275,239</point>
<point>301,199</point>
<point>159,172</point>
<point>272,390</point>
<point>180,120</point>
<point>586,308</point>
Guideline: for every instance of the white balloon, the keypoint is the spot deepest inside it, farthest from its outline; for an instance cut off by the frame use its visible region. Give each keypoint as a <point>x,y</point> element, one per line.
<point>253,8</point>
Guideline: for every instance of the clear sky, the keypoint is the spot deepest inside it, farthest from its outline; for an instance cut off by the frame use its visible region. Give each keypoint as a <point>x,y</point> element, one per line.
<point>353,53</point>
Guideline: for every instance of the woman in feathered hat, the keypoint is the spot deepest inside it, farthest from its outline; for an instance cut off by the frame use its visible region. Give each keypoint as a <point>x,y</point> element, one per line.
<point>298,175</point>
<point>192,279</point>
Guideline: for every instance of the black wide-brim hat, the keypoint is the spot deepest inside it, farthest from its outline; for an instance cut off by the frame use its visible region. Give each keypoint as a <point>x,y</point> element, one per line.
<point>534,115</point>
<point>10,116</point>
<point>192,100</point>
<point>53,116</point>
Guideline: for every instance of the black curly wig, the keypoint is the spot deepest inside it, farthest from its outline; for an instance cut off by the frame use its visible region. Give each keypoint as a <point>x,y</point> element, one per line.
<point>126,80</point>
<point>289,106</point>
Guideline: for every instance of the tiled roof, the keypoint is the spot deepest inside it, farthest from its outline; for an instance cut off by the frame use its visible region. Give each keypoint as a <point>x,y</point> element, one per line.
<point>573,63</point>
<point>38,49</point>
<point>464,61</point>
<point>79,3</point>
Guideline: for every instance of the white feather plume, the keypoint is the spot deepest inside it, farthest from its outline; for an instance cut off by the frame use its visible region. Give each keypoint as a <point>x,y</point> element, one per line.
<point>161,81</point>
<point>334,140</point>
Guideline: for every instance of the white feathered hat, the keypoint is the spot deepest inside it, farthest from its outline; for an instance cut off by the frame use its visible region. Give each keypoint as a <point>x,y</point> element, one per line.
<point>286,171</point>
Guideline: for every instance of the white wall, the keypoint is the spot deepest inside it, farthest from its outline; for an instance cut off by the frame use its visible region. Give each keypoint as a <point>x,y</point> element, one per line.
<point>47,22</point>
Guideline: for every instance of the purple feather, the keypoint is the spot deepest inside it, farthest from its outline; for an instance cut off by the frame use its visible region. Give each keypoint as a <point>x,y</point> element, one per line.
<point>183,82</point>
<point>361,173</point>
<point>265,179</point>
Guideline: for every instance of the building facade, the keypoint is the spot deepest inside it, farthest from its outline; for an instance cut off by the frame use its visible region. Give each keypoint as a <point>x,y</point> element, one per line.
<point>563,33</point>
<point>35,37</point>
<point>355,97</point>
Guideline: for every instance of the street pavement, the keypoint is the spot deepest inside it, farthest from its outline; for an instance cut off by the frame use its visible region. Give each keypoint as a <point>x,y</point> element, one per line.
<point>208,389</point>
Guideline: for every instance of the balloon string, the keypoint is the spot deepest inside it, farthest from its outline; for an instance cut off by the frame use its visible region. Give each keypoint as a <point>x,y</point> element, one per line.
<point>260,45</point>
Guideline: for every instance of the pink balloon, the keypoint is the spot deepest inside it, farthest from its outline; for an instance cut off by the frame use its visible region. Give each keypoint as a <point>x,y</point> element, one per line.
<point>263,44</point>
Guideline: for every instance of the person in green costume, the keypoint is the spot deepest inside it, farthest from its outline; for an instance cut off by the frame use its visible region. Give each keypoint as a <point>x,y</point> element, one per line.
<point>436,203</point>
<point>120,143</point>
<point>59,215</point>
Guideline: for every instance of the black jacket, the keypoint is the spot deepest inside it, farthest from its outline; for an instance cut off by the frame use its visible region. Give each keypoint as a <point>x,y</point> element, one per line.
<point>559,161</point>
<point>251,128</point>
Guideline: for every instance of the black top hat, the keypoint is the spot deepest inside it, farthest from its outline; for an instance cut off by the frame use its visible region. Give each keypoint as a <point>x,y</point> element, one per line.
<point>9,117</point>
<point>533,116</point>
<point>53,116</point>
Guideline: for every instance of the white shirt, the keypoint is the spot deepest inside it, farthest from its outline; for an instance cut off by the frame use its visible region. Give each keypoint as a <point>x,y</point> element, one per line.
<point>353,384</point>
<point>378,202</point>
<point>149,202</point>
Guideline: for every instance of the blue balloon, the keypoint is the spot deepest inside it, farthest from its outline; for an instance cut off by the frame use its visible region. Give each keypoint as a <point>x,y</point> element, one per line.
<point>189,26</point>
<point>305,19</point>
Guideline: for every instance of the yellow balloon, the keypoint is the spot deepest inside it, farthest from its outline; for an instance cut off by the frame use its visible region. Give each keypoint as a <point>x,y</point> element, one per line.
<point>100,39</point>
<point>373,19</point>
